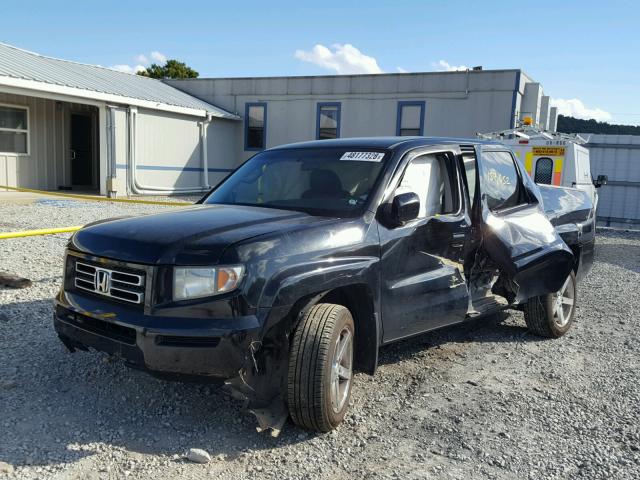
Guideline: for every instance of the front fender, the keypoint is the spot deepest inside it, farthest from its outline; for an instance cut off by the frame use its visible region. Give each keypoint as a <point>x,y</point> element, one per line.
<point>304,279</point>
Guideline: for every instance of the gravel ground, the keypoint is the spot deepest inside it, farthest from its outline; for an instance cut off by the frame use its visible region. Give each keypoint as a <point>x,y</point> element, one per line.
<point>481,400</point>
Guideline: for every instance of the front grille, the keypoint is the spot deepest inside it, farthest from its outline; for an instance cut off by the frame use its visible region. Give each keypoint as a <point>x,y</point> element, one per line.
<point>119,284</point>
<point>100,327</point>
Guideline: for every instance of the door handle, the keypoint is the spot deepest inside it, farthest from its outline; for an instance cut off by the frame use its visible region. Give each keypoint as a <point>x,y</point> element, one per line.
<point>73,154</point>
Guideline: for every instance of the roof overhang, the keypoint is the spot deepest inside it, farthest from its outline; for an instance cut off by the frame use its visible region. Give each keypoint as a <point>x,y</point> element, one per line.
<point>78,95</point>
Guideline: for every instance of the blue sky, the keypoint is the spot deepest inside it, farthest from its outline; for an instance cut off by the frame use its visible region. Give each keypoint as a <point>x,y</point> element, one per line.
<point>586,51</point>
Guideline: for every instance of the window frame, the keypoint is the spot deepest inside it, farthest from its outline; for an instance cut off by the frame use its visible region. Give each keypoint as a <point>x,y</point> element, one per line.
<point>410,103</point>
<point>17,130</point>
<point>247,106</point>
<point>400,170</point>
<point>319,106</point>
<point>521,184</point>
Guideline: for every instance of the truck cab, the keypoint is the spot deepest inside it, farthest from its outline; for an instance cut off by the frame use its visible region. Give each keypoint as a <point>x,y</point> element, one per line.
<point>288,276</point>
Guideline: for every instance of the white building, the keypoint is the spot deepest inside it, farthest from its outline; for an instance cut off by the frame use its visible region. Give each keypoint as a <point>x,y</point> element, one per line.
<point>65,125</point>
<point>68,125</point>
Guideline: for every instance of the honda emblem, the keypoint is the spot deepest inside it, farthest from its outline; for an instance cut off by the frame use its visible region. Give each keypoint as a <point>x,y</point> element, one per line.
<point>103,281</point>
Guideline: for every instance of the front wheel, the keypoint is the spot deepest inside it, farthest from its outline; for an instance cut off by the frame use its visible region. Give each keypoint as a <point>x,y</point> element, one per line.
<point>321,367</point>
<point>552,315</point>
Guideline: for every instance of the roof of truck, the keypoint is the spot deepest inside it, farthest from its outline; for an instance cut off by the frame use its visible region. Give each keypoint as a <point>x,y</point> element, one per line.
<point>384,142</point>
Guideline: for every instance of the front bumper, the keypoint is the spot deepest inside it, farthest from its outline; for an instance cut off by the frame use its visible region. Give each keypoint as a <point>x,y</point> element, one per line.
<point>206,348</point>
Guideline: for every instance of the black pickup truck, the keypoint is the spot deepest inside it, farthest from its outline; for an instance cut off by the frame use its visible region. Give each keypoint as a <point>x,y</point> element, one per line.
<point>292,272</point>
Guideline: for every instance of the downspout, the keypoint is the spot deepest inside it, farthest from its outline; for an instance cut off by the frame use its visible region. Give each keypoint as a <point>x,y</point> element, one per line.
<point>138,188</point>
<point>112,168</point>
<point>204,126</point>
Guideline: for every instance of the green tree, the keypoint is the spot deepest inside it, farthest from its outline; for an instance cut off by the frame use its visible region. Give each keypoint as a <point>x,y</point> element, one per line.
<point>171,69</point>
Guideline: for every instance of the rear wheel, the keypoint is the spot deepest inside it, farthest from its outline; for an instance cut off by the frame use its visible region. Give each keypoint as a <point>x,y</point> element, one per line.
<point>552,315</point>
<point>321,367</point>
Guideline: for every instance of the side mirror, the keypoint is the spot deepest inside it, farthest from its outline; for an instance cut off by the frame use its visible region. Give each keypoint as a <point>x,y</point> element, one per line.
<point>600,181</point>
<point>404,208</point>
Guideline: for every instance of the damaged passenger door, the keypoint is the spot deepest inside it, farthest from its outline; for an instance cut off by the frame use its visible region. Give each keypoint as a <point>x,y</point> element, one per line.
<point>516,234</point>
<point>422,282</point>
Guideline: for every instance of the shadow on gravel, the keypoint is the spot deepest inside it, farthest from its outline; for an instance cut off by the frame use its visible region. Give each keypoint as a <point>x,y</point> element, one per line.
<point>611,253</point>
<point>499,327</point>
<point>58,407</point>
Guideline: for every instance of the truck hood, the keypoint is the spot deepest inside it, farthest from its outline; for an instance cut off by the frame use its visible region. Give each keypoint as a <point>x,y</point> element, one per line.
<point>192,236</point>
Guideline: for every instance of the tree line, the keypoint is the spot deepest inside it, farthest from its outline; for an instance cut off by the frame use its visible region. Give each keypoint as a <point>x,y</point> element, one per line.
<point>577,125</point>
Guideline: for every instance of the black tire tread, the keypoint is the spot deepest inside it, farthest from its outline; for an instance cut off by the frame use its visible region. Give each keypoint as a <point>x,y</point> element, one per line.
<point>539,318</point>
<point>307,359</point>
<point>536,317</point>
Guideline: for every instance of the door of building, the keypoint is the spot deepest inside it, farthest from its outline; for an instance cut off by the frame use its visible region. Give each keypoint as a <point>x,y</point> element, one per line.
<point>82,158</point>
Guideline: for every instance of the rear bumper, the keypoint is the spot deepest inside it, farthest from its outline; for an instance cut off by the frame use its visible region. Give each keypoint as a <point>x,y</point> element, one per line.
<point>208,349</point>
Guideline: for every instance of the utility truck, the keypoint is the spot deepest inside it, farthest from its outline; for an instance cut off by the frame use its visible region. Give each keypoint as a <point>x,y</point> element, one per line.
<point>551,158</point>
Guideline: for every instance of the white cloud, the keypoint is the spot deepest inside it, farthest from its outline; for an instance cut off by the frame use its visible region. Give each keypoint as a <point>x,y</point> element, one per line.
<point>142,62</point>
<point>128,68</point>
<point>158,57</point>
<point>574,107</point>
<point>344,59</point>
<point>402,70</point>
<point>444,66</point>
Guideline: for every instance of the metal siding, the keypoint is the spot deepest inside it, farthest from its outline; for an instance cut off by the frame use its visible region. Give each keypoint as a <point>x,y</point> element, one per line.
<point>165,160</point>
<point>221,149</point>
<point>369,102</point>
<point>39,169</point>
<point>618,157</point>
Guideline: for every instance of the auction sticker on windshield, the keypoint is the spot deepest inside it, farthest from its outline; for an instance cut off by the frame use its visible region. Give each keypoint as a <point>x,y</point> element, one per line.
<point>363,156</point>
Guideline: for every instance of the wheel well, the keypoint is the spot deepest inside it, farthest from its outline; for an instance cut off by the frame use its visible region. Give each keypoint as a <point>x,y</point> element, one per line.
<point>575,249</point>
<point>358,298</point>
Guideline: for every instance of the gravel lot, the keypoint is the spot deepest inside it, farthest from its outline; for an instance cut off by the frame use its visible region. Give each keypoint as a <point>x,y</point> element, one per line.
<point>481,400</point>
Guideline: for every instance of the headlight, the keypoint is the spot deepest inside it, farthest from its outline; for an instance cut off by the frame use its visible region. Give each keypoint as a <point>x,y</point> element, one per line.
<point>197,282</point>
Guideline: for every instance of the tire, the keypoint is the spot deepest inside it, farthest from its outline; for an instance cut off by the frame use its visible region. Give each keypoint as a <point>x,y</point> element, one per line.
<point>550,317</point>
<point>319,383</point>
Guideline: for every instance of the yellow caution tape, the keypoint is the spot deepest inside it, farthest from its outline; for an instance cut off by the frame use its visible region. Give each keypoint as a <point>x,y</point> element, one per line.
<point>95,198</point>
<point>44,231</point>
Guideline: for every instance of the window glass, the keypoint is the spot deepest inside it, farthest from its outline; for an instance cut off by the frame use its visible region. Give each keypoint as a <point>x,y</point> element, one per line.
<point>410,119</point>
<point>13,129</point>
<point>316,181</point>
<point>500,181</point>
<point>544,171</point>
<point>14,118</point>
<point>430,177</point>
<point>329,120</point>
<point>470,172</point>
<point>13,142</point>
<point>255,126</point>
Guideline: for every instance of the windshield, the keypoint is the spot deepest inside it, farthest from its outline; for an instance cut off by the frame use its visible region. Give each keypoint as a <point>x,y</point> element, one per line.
<point>328,182</point>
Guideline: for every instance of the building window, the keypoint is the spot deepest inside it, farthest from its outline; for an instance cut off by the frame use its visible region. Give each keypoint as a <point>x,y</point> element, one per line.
<point>410,120</point>
<point>328,120</point>
<point>544,171</point>
<point>255,130</point>
<point>14,130</point>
